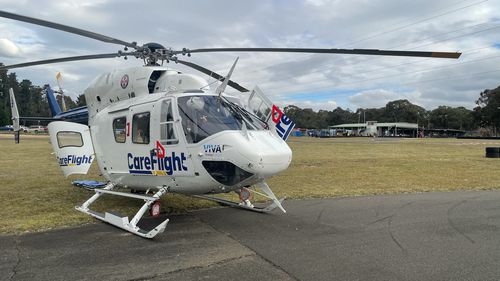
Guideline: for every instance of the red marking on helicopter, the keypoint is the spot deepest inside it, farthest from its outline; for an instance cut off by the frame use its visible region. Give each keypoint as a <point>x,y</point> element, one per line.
<point>154,210</point>
<point>124,81</point>
<point>160,150</point>
<point>245,194</point>
<point>284,125</point>
<point>276,114</point>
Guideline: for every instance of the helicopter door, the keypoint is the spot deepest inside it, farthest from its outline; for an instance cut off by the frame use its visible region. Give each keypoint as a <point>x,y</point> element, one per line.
<point>72,146</point>
<point>168,146</point>
<point>263,108</point>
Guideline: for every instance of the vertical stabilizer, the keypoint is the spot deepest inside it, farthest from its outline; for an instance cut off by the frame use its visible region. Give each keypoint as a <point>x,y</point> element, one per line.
<point>54,106</point>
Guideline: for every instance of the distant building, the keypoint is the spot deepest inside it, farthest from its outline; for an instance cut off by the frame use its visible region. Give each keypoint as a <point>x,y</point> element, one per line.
<point>373,128</point>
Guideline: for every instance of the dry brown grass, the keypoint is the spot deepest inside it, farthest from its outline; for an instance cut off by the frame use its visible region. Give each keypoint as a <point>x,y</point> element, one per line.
<point>361,166</point>
<point>35,196</point>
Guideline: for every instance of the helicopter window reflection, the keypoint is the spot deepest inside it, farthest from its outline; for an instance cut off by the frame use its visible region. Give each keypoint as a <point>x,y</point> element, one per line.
<point>69,139</point>
<point>203,116</point>
<point>140,128</point>
<point>119,125</point>
<point>167,133</point>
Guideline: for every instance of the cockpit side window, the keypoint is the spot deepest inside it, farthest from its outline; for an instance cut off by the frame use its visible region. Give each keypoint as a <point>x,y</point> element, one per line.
<point>203,116</point>
<point>140,128</point>
<point>167,131</point>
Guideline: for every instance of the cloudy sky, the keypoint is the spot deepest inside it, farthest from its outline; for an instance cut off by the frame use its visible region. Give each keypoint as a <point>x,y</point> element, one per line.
<point>319,81</point>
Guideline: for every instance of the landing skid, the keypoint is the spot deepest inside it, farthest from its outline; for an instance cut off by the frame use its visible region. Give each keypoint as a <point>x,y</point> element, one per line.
<point>246,204</point>
<point>123,221</point>
<point>234,204</point>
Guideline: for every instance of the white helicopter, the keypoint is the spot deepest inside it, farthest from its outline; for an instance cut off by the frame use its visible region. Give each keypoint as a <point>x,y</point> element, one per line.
<point>155,130</point>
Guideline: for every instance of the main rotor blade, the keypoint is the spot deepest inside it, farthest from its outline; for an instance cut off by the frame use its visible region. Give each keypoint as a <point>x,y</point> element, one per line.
<point>213,75</point>
<point>66,59</point>
<point>373,52</point>
<point>66,28</point>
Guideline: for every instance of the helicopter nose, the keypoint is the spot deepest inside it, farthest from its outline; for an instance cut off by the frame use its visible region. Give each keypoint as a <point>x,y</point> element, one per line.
<point>267,154</point>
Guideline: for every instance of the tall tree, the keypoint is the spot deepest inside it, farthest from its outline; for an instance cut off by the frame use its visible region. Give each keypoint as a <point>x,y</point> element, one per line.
<point>340,116</point>
<point>80,100</point>
<point>445,117</point>
<point>402,111</point>
<point>487,111</point>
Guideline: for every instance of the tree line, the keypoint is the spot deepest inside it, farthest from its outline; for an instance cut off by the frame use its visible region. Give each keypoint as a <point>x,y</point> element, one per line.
<point>485,116</point>
<point>31,100</point>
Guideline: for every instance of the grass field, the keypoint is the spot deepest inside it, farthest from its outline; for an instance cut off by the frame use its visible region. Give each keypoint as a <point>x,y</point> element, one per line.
<point>35,196</point>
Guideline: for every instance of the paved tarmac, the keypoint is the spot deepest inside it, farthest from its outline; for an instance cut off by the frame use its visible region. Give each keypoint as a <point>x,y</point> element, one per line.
<point>429,236</point>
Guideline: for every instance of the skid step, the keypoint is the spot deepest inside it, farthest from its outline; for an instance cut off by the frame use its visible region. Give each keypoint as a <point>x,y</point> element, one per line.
<point>126,194</point>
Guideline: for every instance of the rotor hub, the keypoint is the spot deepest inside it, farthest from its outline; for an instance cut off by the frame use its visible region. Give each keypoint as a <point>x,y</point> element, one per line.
<point>152,53</point>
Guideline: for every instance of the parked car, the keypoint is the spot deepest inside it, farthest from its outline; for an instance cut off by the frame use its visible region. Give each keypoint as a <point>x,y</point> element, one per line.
<point>36,129</point>
<point>7,128</point>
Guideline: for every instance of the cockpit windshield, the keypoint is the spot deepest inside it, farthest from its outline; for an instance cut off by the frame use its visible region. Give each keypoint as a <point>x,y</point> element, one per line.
<point>203,116</point>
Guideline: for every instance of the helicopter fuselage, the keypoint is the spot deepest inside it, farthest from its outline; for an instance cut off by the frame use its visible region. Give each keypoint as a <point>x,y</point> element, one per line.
<point>177,134</point>
<point>145,143</point>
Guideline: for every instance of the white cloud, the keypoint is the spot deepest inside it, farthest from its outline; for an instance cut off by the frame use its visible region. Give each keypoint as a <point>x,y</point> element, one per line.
<point>314,105</point>
<point>9,48</point>
<point>429,25</point>
<point>375,98</point>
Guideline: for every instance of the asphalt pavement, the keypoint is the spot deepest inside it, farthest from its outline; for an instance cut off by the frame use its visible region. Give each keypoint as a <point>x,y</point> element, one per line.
<point>428,236</point>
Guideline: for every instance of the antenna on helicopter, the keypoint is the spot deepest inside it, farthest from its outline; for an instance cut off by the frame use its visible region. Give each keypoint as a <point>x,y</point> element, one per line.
<point>223,86</point>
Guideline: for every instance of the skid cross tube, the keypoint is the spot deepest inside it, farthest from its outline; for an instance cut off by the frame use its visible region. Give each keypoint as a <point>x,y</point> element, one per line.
<point>247,205</point>
<point>123,221</point>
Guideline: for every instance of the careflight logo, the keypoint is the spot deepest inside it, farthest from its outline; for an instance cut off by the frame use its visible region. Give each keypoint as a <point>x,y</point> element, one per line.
<point>73,160</point>
<point>157,163</point>
<point>284,125</point>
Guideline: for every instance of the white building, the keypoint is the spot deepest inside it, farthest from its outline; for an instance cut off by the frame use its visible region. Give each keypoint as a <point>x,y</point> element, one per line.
<point>373,128</point>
